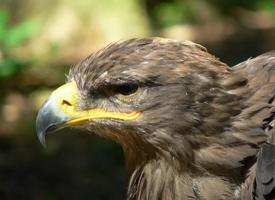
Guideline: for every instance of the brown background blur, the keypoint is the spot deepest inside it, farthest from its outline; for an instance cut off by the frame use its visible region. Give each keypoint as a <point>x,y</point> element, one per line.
<point>40,40</point>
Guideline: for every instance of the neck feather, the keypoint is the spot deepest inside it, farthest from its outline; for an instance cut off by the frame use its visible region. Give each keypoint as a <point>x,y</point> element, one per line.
<point>157,180</point>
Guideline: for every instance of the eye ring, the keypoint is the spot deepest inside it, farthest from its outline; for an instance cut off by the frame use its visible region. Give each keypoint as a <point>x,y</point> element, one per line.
<point>127,89</point>
<point>126,92</point>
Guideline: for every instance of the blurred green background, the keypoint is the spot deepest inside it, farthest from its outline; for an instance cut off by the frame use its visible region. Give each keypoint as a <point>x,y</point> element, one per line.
<point>40,40</point>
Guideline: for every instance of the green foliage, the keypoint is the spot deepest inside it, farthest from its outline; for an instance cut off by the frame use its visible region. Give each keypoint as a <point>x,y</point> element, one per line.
<point>164,13</point>
<point>226,7</point>
<point>15,35</point>
<point>267,5</point>
<point>9,66</point>
<point>11,37</point>
<point>169,13</point>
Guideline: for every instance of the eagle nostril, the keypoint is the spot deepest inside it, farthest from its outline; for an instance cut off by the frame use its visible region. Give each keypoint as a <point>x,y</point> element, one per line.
<point>66,103</point>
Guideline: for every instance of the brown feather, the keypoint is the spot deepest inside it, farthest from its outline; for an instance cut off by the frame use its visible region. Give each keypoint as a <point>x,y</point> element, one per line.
<point>202,123</point>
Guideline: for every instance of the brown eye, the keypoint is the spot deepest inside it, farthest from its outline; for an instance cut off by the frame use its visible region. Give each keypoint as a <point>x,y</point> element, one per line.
<point>127,92</point>
<point>127,89</point>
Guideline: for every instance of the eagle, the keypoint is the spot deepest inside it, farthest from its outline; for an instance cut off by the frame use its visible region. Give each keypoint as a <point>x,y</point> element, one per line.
<point>190,126</point>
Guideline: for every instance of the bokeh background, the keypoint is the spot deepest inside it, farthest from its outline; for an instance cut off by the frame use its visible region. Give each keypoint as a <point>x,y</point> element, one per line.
<point>40,40</point>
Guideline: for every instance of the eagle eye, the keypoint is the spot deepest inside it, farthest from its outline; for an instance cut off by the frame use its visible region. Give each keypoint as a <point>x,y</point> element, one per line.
<point>126,92</point>
<point>127,89</point>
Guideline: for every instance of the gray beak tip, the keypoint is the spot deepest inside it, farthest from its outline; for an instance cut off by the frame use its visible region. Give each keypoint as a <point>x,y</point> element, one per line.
<point>42,139</point>
<point>49,119</point>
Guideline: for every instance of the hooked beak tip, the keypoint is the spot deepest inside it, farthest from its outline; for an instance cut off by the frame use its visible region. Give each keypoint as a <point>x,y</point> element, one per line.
<point>49,118</point>
<point>42,139</point>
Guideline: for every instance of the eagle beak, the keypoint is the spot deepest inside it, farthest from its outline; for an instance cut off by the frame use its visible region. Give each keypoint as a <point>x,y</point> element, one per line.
<point>55,111</point>
<point>49,118</point>
<point>60,111</point>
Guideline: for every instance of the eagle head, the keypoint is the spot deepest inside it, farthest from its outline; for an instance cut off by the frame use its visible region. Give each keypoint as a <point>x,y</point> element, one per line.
<point>155,97</point>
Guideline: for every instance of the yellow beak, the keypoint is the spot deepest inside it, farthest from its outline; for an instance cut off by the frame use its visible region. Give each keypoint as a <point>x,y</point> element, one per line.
<point>60,111</point>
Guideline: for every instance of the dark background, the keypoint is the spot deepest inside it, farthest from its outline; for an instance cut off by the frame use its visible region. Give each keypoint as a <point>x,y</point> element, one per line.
<point>40,40</point>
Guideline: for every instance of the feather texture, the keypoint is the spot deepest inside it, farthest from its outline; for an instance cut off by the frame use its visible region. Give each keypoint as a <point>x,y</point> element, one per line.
<point>202,126</point>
